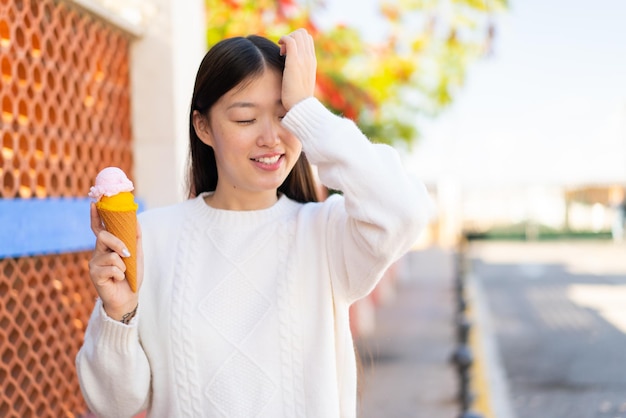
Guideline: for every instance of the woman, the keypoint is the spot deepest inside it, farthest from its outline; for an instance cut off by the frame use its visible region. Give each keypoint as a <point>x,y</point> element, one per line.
<point>244,308</point>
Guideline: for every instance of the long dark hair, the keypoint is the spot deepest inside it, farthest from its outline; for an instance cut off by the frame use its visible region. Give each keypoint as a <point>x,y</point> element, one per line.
<point>226,65</point>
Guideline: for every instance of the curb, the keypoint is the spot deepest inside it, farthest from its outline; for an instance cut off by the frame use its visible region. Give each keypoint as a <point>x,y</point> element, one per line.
<point>489,378</point>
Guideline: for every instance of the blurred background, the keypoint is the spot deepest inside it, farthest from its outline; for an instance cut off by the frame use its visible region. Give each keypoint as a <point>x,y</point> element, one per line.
<point>513,113</point>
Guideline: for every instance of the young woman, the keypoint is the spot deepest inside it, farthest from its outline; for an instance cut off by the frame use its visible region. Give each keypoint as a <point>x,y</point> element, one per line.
<point>243,306</point>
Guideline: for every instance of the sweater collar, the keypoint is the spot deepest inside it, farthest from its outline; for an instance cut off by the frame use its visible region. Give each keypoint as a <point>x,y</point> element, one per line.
<point>241,218</point>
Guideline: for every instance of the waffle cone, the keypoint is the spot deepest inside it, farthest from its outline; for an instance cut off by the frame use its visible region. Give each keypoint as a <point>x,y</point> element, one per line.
<point>123,224</point>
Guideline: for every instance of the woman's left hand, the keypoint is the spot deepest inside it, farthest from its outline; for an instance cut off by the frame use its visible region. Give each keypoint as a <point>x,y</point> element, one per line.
<point>300,67</point>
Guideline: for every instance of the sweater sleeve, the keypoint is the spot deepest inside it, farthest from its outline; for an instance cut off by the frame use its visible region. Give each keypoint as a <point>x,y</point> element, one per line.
<point>113,370</point>
<point>382,211</point>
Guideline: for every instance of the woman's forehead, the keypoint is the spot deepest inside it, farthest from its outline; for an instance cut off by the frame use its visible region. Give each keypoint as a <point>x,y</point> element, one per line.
<point>265,87</point>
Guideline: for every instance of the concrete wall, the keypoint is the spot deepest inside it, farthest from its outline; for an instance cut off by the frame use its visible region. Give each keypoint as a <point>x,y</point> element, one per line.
<point>163,66</point>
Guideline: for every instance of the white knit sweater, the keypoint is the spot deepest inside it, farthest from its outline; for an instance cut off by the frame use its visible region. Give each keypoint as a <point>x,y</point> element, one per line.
<point>245,313</point>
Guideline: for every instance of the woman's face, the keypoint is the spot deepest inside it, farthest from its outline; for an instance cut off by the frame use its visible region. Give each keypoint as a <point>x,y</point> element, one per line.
<point>253,151</point>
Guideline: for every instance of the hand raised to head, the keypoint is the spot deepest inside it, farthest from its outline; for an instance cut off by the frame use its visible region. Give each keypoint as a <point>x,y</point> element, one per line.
<point>300,67</point>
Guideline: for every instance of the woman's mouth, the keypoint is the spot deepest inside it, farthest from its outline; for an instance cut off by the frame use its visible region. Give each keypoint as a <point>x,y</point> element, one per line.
<point>268,160</point>
<point>271,163</point>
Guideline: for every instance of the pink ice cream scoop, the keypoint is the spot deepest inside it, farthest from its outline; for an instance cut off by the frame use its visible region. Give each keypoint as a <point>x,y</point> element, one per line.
<point>110,181</point>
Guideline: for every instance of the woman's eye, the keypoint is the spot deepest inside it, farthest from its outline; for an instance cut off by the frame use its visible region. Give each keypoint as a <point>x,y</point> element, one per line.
<point>245,121</point>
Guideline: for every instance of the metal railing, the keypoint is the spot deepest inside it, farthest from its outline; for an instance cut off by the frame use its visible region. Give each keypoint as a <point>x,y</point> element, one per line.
<point>463,355</point>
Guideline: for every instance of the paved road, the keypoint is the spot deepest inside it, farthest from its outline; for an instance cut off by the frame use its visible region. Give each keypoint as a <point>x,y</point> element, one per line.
<point>558,311</point>
<point>406,370</point>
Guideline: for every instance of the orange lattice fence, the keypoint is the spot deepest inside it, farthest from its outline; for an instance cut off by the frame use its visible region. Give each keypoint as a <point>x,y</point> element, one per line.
<point>65,114</point>
<point>45,304</point>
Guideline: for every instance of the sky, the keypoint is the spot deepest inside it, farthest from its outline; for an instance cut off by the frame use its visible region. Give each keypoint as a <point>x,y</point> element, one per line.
<point>549,107</point>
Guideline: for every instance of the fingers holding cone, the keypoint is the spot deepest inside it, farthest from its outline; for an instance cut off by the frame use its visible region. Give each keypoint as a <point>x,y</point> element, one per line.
<point>113,267</point>
<point>123,225</point>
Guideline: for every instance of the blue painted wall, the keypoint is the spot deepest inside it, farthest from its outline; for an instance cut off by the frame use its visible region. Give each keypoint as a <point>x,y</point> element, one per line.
<point>44,226</point>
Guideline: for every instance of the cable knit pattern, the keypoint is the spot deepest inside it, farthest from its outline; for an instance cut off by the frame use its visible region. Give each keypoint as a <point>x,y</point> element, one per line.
<point>184,359</point>
<point>240,300</point>
<point>291,350</point>
<point>240,372</point>
<point>245,313</point>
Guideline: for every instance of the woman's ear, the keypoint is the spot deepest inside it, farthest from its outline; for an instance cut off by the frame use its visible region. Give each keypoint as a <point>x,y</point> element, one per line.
<point>201,125</point>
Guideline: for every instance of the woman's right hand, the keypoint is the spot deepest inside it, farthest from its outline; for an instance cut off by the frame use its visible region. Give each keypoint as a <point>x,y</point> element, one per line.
<point>300,67</point>
<point>106,269</point>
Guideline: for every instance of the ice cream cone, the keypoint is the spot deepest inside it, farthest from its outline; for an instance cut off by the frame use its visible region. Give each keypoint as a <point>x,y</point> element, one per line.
<point>122,222</point>
<point>117,209</point>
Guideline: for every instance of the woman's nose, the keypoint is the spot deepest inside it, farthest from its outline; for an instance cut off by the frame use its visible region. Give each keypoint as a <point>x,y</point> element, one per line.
<point>270,134</point>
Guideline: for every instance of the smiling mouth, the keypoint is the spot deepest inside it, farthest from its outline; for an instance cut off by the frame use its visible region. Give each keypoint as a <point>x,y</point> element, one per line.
<point>268,160</point>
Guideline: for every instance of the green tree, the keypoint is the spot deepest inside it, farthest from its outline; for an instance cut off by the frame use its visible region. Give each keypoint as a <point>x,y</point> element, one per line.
<point>420,62</point>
